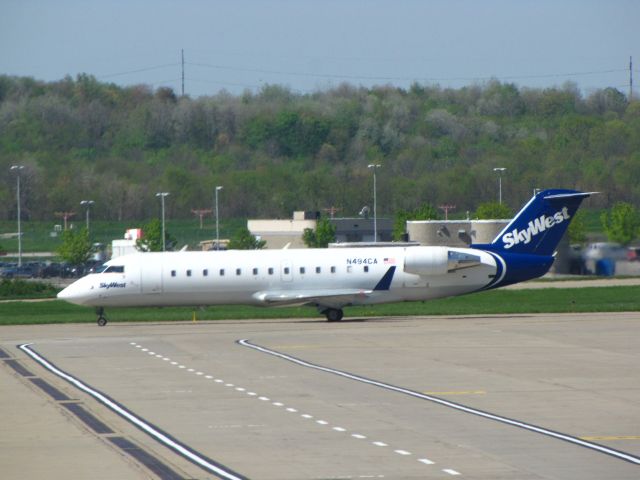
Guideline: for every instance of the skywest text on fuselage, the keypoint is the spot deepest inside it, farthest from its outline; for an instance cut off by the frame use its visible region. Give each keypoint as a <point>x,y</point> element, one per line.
<point>536,226</point>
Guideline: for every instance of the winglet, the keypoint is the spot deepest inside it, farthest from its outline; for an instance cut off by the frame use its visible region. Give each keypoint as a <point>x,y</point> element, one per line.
<point>385,281</point>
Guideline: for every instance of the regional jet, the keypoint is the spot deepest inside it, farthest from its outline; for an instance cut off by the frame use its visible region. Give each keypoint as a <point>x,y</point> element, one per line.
<point>334,278</point>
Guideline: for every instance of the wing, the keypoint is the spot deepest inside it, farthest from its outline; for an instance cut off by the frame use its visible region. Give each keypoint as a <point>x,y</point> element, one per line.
<point>338,297</point>
<point>334,297</point>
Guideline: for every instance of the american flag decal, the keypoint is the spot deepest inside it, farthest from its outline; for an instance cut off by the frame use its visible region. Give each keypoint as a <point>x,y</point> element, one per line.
<point>390,261</point>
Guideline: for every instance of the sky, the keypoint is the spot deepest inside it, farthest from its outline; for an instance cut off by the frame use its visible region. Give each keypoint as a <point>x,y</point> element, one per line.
<point>311,45</point>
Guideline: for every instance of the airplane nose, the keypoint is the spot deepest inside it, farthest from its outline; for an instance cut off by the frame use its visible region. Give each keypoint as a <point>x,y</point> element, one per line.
<point>74,293</point>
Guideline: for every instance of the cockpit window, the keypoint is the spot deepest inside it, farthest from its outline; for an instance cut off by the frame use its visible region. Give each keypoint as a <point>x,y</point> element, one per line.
<point>110,269</point>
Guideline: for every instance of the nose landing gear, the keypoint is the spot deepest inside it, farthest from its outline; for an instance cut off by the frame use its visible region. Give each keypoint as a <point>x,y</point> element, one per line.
<point>102,320</point>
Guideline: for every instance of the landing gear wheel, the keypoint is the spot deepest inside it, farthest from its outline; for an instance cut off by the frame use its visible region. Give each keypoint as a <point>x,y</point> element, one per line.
<point>102,320</point>
<point>333,314</point>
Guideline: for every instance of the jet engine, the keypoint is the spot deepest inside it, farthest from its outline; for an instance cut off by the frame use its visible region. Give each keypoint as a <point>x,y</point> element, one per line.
<point>426,261</point>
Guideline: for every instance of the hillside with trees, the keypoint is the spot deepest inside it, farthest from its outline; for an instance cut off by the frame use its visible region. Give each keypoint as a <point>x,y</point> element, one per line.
<point>277,151</point>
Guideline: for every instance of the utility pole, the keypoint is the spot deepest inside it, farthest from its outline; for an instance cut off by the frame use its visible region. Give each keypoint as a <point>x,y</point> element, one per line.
<point>218,188</point>
<point>17,169</point>
<point>375,166</point>
<point>201,212</point>
<point>162,196</point>
<point>182,53</point>
<point>446,209</point>
<point>630,78</point>
<point>65,216</point>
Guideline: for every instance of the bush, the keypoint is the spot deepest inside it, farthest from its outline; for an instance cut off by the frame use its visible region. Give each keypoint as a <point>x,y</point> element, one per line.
<point>10,289</point>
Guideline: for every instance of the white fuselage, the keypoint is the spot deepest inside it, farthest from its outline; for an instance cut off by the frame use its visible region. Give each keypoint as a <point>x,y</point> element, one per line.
<point>324,277</point>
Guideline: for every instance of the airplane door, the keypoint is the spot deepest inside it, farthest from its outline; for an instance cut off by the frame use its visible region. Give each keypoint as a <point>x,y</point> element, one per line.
<point>151,277</point>
<point>286,271</point>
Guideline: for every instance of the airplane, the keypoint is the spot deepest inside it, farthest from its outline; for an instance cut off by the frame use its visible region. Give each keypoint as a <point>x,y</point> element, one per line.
<point>334,278</point>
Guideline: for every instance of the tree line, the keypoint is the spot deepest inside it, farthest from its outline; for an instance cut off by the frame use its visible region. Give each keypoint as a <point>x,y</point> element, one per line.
<point>276,151</point>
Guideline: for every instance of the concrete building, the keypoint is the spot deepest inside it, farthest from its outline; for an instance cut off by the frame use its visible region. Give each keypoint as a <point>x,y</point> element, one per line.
<point>279,233</point>
<point>454,233</point>
<point>362,229</point>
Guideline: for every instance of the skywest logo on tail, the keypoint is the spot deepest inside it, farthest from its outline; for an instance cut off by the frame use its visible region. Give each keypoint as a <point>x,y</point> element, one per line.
<point>536,226</point>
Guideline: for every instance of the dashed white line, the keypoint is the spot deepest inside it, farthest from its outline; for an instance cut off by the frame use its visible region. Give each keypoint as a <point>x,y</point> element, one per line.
<point>358,436</point>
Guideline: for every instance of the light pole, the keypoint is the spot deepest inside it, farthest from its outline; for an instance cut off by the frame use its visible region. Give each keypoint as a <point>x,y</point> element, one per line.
<point>375,166</point>
<point>87,203</point>
<point>499,170</point>
<point>17,169</point>
<point>162,195</point>
<point>218,188</point>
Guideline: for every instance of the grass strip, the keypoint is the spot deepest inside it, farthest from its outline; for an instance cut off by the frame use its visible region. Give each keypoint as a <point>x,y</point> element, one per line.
<point>551,300</point>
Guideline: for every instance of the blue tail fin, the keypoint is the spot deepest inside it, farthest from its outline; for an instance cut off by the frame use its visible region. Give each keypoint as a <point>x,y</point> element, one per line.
<point>539,226</point>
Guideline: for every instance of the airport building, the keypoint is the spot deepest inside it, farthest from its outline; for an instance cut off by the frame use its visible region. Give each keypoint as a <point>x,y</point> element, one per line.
<point>280,233</point>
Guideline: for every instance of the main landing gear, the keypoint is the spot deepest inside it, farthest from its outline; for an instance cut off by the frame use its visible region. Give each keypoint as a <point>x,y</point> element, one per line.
<point>102,320</point>
<point>333,314</point>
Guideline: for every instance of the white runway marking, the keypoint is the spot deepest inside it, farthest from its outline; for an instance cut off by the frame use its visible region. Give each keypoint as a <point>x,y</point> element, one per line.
<point>319,422</point>
<point>146,427</point>
<point>456,406</point>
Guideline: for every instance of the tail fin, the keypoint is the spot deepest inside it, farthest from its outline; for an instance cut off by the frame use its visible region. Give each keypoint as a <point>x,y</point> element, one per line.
<point>539,226</point>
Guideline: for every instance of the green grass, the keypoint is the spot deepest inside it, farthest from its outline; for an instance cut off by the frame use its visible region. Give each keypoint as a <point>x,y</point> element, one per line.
<point>552,300</point>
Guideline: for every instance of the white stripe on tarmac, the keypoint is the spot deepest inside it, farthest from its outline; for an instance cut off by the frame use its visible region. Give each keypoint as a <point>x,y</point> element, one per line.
<point>526,426</point>
<point>144,426</point>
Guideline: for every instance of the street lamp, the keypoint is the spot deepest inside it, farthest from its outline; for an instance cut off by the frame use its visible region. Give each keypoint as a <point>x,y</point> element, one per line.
<point>374,166</point>
<point>162,195</point>
<point>17,169</point>
<point>87,203</point>
<point>218,188</point>
<point>499,170</point>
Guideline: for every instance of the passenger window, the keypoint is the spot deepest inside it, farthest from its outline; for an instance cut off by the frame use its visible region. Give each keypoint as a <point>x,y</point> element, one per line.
<point>173,273</point>
<point>286,270</point>
<point>318,270</point>
<point>255,271</point>
<point>222,272</point>
<point>205,273</point>
<point>302,270</point>
<point>333,269</point>
<point>366,269</point>
<point>188,273</point>
<point>238,271</point>
<point>270,271</point>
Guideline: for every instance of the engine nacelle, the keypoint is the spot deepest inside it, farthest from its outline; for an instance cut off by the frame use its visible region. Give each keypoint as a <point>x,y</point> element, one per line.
<point>426,261</point>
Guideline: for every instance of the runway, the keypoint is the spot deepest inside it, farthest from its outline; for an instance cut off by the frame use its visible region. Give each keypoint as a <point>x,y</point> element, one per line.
<point>393,398</point>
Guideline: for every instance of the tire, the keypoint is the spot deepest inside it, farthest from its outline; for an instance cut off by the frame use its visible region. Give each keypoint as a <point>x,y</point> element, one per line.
<point>333,314</point>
